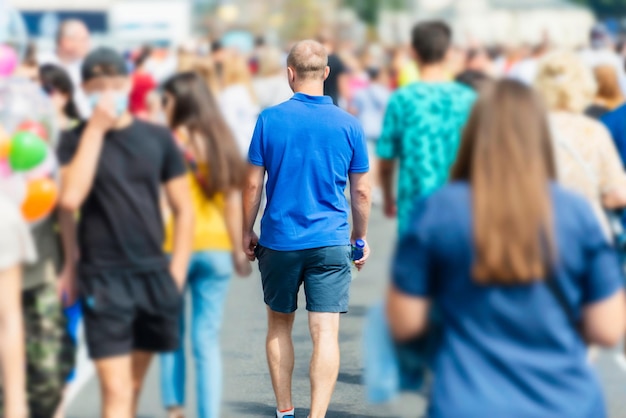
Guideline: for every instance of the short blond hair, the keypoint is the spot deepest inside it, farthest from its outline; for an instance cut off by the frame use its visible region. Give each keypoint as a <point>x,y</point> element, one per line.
<point>308,59</point>
<point>565,82</point>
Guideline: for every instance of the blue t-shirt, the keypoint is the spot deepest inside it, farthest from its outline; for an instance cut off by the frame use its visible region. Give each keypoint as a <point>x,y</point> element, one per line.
<point>615,121</point>
<point>308,146</point>
<point>507,351</point>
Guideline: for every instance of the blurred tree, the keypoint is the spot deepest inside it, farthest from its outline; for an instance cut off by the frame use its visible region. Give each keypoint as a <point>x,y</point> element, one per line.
<point>303,19</point>
<point>369,10</point>
<point>605,8</point>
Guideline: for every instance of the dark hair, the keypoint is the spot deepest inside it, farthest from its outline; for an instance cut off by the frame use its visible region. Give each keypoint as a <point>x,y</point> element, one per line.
<point>472,78</point>
<point>103,62</point>
<point>494,52</point>
<point>373,72</point>
<point>30,56</point>
<point>216,46</point>
<point>472,53</point>
<point>54,78</point>
<point>142,57</point>
<point>196,109</point>
<point>431,41</point>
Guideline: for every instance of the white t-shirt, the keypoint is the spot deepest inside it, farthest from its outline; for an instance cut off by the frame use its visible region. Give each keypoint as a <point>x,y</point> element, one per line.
<point>525,71</point>
<point>371,103</point>
<point>241,113</point>
<point>16,243</point>
<point>271,91</point>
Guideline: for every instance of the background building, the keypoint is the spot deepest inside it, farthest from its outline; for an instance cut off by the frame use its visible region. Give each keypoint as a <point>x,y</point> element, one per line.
<point>116,22</point>
<point>495,21</point>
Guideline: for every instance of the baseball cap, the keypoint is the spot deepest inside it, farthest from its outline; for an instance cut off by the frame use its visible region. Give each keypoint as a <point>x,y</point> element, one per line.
<point>103,62</point>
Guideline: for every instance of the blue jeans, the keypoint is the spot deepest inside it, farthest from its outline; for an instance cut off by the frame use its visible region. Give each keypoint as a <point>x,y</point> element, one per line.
<point>207,280</point>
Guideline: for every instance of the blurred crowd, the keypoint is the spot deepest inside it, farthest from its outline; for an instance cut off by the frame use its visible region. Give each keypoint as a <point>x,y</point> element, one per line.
<point>413,103</point>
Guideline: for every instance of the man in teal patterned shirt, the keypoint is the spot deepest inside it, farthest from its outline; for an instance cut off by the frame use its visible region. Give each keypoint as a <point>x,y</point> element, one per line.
<point>423,125</point>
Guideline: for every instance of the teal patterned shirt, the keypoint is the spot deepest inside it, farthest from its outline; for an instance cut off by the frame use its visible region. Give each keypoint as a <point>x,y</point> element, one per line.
<point>422,129</point>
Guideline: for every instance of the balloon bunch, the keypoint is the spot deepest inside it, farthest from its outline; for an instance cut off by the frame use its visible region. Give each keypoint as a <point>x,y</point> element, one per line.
<point>27,170</point>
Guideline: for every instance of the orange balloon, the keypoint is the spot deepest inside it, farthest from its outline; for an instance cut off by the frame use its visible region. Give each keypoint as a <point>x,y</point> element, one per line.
<point>5,147</point>
<point>41,198</point>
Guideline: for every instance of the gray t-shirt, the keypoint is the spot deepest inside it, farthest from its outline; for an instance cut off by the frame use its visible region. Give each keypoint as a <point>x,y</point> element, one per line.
<point>16,243</point>
<point>49,250</point>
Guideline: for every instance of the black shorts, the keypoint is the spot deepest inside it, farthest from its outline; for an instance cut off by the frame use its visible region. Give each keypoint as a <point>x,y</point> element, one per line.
<point>126,311</point>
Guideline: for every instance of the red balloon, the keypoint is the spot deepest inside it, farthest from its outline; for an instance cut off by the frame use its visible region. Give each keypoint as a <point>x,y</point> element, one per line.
<point>33,127</point>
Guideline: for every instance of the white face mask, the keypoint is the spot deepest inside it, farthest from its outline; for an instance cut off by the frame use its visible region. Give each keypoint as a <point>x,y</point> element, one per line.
<point>120,99</point>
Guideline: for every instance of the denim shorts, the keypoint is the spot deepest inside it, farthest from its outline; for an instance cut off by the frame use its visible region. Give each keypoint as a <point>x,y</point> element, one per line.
<point>325,272</point>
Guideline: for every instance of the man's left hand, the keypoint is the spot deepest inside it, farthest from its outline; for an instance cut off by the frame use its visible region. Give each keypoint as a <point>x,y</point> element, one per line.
<point>250,242</point>
<point>366,253</point>
<point>179,274</point>
<point>67,288</point>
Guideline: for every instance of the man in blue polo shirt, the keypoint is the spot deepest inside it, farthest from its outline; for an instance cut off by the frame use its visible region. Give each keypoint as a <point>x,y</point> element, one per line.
<point>309,149</point>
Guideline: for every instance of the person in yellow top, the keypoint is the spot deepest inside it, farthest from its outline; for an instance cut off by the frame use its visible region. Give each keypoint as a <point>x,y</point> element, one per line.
<point>216,172</point>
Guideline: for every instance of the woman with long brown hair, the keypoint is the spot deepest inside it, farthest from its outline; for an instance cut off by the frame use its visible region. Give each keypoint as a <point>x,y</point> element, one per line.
<point>216,172</point>
<point>518,270</point>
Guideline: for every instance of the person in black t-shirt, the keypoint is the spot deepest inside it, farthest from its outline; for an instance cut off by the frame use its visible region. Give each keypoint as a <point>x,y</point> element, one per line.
<point>113,169</point>
<point>334,85</point>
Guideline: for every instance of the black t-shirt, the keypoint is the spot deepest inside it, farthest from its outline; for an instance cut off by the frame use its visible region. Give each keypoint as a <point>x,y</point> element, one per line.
<point>120,221</point>
<point>331,85</point>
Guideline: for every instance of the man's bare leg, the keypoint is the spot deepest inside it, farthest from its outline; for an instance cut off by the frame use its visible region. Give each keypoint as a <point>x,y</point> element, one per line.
<point>140,364</point>
<point>324,328</point>
<point>280,356</point>
<point>116,386</point>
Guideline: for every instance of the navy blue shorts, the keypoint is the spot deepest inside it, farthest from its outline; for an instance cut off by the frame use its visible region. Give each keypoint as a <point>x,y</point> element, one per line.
<point>325,272</point>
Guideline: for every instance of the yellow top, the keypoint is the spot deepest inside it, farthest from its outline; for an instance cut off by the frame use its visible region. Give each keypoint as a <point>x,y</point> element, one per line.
<point>210,232</point>
<point>409,73</point>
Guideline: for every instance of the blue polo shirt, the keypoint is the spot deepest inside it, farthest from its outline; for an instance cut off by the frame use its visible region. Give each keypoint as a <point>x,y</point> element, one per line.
<point>507,351</point>
<point>308,147</point>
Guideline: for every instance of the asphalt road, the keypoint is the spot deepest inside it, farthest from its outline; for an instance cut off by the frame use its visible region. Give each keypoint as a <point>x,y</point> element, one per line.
<point>247,388</point>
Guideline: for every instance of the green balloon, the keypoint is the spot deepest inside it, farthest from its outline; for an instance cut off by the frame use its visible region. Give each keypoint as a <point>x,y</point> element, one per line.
<point>27,151</point>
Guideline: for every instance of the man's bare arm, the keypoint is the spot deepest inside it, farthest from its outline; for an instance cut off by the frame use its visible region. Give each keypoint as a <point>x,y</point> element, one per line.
<point>386,172</point>
<point>252,193</point>
<point>360,196</point>
<point>178,195</point>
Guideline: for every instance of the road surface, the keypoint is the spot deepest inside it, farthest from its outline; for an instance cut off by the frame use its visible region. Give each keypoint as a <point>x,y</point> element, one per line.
<point>247,390</point>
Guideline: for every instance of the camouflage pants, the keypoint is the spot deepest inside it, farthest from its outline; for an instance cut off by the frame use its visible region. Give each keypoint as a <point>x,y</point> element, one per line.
<point>49,350</point>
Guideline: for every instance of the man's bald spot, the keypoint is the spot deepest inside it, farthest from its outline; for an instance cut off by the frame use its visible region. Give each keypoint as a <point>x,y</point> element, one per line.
<point>308,59</point>
<point>72,27</point>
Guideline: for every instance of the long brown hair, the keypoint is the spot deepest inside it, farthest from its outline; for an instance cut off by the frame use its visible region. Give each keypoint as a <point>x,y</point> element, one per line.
<point>196,109</point>
<point>506,155</point>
